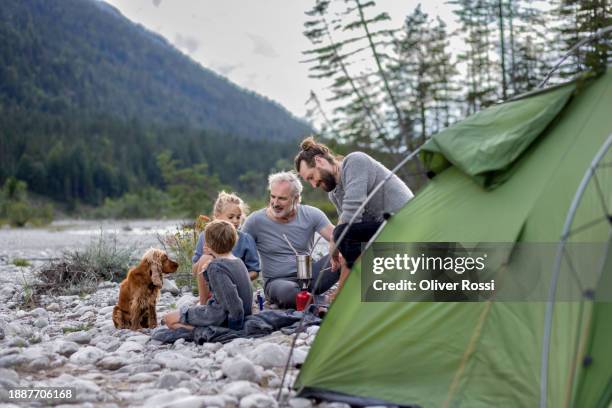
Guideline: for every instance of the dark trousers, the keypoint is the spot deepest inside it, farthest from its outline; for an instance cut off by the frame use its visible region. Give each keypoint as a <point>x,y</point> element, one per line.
<point>359,233</point>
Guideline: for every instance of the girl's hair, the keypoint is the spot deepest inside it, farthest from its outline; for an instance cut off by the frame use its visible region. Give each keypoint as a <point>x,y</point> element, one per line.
<point>223,199</point>
<point>309,149</point>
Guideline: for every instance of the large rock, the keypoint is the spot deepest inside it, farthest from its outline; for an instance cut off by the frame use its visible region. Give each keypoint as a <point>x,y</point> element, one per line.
<point>239,368</point>
<point>65,348</point>
<point>241,389</point>
<point>130,346</point>
<point>258,401</point>
<point>81,337</point>
<point>186,300</point>
<point>174,360</point>
<point>165,398</point>
<point>170,287</point>
<point>197,401</point>
<point>269,355</point>
<point>87,355</point>
<point>111,363</point>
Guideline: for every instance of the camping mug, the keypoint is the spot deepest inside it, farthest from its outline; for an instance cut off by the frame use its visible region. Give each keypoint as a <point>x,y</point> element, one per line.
<point>304,267</point>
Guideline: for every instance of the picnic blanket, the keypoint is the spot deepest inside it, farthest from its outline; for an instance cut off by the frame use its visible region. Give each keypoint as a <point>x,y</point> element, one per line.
<point>257,325</point>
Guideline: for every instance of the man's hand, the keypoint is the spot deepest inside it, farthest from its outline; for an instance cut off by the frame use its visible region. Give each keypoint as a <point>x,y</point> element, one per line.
<point>334,256</point>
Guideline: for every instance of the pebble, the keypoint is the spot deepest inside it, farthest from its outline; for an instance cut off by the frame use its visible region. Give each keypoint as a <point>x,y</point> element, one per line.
<point>41,322</point>
<point>239,368</point>
<point>111,363</point>
<point>269,355</point>
<point>258,401</point>
<point>54,307</point>
<point>81,337</point>
<point>65,348</point>
<point>87,355</point>
<point>241,389</point>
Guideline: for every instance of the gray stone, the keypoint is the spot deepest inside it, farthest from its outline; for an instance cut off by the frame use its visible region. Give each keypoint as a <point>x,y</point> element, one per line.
<point>140,368</point>
<point>41,322</point>
<point>54,307</point>
<point>258,401</point>
<point>168,381</point>
<point>300,403</point>
<point>87,355</point>
<point>165,398</point>
<point>2,335</point>
<point>39,312</point>
<point>239,368</point>
<point>13,360</point>
<point>170,287</point>
<point>241,389</point>
<point>65,348</point>
<point>269,355</point>
<point>16,342</point>
<point>142,377</point>
<point>81,337</point>
<point>130,346</point>
<point>111,363</point>
<point>186,300</point>
<point>106,343</point>
<point>197,401</point>
<point>237,347</point>
<point>140,338</point>
<point>299,355</point>
<point>39,364</point>
<point>87,316</point>
<point>106,310</point>
<point>174,360</point>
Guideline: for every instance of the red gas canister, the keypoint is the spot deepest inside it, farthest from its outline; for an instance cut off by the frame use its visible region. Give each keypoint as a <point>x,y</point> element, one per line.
<point>301,299</point>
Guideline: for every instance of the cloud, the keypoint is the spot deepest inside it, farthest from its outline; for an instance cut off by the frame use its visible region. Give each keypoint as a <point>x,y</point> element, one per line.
<point>262,47</point>
<point>156,3</point>
<point>191,44</point>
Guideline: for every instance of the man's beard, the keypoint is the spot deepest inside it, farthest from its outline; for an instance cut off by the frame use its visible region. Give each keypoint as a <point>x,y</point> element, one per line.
<point>328,181</point>
<point>284,213</point>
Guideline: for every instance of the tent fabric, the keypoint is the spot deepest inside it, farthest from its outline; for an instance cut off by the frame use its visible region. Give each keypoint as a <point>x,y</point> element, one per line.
<point>486,144</point>
<point>487,353</point>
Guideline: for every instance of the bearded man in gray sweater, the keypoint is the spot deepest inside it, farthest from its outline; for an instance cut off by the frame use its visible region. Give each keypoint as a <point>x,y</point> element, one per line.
<point>348,181</point>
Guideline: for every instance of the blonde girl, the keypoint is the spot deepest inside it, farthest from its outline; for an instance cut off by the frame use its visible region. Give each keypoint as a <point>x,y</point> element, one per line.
<point>231,208</point>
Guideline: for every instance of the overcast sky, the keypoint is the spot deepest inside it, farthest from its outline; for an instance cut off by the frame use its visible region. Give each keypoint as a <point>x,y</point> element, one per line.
<point>255,43</point>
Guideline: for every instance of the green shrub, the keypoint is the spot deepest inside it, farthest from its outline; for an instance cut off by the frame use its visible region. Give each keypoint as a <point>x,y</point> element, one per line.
<point>80,271</point>
<point>21,262</point>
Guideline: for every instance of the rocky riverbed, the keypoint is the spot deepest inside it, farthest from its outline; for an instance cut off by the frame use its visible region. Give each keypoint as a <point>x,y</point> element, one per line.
<point>70,341</point>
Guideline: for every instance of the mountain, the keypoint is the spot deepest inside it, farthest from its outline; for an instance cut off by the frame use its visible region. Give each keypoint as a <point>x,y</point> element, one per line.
<point>89,101</point>
<point>83,57</point>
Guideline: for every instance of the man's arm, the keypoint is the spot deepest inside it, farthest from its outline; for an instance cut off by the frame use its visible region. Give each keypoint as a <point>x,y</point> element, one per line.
<point>355,173</point>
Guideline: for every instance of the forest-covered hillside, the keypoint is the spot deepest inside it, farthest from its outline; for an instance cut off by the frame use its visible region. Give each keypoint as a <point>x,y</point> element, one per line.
<point>88,101</point>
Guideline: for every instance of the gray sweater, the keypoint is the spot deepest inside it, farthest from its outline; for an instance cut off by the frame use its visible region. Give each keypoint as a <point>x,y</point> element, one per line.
<point>359,175</point>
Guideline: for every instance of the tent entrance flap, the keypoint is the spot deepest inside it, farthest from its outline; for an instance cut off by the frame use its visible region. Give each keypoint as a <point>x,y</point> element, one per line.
<point>486,144</point>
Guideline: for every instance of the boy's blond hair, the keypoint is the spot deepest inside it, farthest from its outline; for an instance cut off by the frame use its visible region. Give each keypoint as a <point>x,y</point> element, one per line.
<point>223,199</point>
<point>220,236</point>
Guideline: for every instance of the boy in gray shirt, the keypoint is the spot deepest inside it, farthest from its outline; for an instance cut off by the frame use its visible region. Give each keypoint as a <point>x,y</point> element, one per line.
<point>229,283</point>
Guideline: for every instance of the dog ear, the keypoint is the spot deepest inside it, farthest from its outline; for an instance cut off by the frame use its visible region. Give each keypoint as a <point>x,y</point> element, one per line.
<point>156,272</point>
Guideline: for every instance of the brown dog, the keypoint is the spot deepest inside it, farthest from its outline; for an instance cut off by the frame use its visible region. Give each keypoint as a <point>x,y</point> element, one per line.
<point>139,291</point>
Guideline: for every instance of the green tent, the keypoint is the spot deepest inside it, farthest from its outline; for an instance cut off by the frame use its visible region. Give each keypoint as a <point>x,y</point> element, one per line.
<point>507,174</point>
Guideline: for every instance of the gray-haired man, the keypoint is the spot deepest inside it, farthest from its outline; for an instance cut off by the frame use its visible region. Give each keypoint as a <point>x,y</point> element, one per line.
<point>285,216</point>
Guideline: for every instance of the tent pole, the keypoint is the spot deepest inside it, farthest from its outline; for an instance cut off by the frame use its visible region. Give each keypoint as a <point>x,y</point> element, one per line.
<point>600,33</point>
<point>552,292</point>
